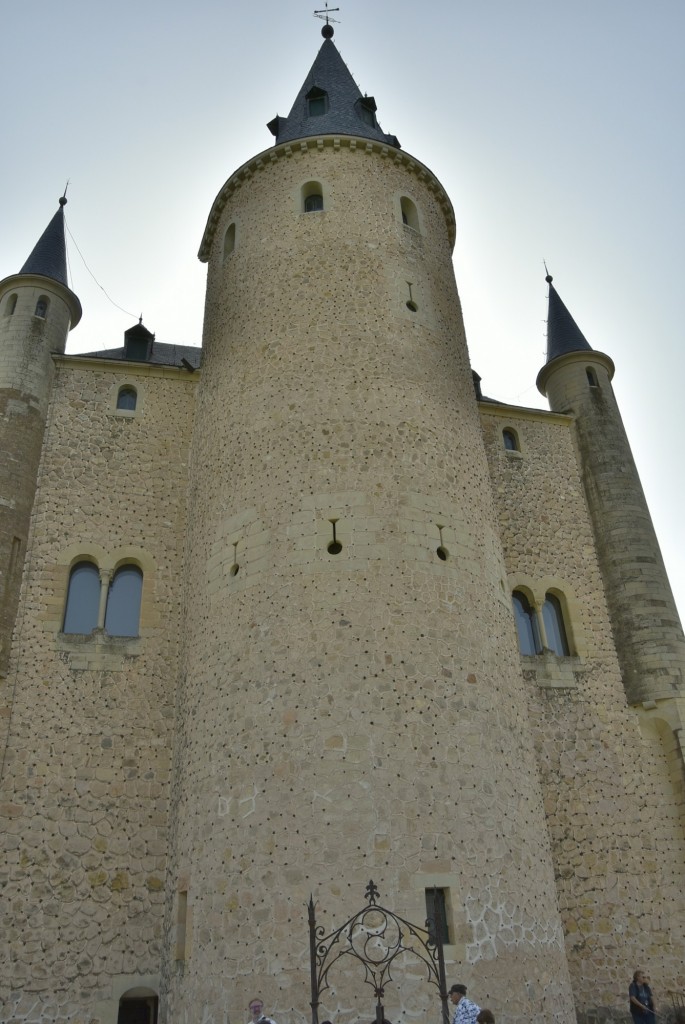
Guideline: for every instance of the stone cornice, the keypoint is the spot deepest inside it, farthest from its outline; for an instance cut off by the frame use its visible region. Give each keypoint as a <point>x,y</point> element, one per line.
<point>125,366</point>
<point>581,356</point>
<point>46,284</point>
<point>289,149</point>
<point>510,412</point>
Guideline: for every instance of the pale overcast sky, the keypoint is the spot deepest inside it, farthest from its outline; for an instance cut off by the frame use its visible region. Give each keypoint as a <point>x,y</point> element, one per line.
<point>556,127</point>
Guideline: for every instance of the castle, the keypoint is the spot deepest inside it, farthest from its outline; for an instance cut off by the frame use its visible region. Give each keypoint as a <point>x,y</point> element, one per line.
<point>317,612</point>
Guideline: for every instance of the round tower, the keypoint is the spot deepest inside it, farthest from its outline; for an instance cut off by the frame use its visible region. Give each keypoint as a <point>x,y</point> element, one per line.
<point>352,703</point>
<point>647,630</point>
<point>37,311</point>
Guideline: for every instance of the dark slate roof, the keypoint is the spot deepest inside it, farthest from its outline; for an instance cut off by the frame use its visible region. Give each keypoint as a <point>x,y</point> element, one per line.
<point>563,333</point>
<point>161,354</point>
<point>330,74</point>
<point>49,256</point>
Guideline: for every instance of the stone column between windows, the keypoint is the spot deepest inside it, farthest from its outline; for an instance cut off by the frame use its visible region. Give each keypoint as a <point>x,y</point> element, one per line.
<point>542,632</point>
<point>105,580</point>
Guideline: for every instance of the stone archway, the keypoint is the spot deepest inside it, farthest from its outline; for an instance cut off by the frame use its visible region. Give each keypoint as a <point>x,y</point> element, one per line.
<point>138,1006</point>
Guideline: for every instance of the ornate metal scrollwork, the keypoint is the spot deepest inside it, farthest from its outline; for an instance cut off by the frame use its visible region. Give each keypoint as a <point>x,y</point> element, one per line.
<point>376,938</point>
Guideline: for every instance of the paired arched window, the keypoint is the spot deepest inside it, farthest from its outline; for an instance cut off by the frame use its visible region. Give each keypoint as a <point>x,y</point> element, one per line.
<point>122,617</point>
<point>510,440</point>
<point>526,624</point>
<point>42,307</point>
<point>127,398</point>
<point>87,600</point>
<point>229,240</point>
<point>11,305</point>
<point>410,215</point>
<point>555,628</point>
<point>83,599</point>
<point>312,197</point>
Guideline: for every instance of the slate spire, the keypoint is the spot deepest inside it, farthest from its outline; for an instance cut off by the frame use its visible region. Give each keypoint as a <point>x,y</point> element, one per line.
<point>49,255</point>
<point>563,333</point>
<point>330,103</point>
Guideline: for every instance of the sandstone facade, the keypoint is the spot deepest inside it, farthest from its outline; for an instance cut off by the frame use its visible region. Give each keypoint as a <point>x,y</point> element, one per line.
<point>326,685</point>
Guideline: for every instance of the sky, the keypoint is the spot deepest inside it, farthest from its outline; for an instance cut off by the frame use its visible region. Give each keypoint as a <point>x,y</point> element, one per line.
<point>555,126</point>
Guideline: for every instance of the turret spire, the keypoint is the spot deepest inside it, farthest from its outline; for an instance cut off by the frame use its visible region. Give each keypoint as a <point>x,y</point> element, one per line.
<point>563,333</point>
<point>330,103</point>
<point>49,255</point>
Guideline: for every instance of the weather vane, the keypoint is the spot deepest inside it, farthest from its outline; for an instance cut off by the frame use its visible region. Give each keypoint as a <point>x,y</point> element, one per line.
<point>324,14</point>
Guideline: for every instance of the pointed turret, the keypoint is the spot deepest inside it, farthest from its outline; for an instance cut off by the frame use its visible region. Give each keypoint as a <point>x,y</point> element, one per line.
<point>649,638</point>
<point>49,255</point>
<point>330,103</point>
<point>563,333</point>
<point>37,311</point>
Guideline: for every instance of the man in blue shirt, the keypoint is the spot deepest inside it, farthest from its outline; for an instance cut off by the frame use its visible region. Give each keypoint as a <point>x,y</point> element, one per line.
<point>466,1011</point>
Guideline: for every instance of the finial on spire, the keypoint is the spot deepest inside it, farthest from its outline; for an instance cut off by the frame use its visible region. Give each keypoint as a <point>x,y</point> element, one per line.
<point>63,199</point>
<point>549,277</point>
<point>140,319</point>
<point>324,14</point>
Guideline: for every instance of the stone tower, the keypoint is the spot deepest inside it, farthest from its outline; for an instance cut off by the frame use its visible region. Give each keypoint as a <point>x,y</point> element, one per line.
<point>647,629</point>
<point>37,311</point>
<point>351,703</point>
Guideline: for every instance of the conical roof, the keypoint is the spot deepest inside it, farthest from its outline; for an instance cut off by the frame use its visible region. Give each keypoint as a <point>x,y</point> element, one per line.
<point>49,255</point>
<point>563,333</point>
<point>330,103</point>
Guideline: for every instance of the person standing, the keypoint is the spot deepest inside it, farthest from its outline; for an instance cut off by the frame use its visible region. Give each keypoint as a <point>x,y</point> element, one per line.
<point>256,1007</point>
<point>466,1011</point>
<point>641,1001</point>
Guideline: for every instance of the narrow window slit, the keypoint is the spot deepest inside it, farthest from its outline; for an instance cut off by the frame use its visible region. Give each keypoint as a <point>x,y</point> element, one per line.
<point>235,567</point>
<point>335,547</point>
<point>441,551</point>
<point>410,301</point>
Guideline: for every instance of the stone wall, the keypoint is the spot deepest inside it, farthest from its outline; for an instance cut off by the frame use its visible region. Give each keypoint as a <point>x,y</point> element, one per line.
<point>359,712</point>
<point>613,792</point>
<point>84,799</point>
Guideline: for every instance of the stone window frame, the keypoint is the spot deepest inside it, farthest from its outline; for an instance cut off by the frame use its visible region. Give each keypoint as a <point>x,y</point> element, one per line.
<point>107,562</point>
<point>536,590</point>
<point>536,617</point>
<point>461,932</point>
<point>309,187</point>
<point>512,453</point>
<point>10,307</point>
<point>230,242</point>
<point>414,224</point>
<point>138,386</point>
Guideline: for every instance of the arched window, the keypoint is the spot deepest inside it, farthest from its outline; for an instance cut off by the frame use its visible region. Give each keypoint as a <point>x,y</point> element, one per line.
<point>511,441</point>
<point>526,624</point>
<point>127,398</point>
<point>42,306</point>
<point>591,377</point>
<point>83,599</point>
<point>123,602</point>
<point>553,618</point>
<point>312,197</point>
<point>410,215</point>
<point>229,240</point>
<point>11,304</point>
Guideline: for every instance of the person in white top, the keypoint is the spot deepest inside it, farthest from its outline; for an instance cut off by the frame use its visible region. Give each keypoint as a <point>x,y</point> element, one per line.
<point>465,1011</point>
<point>256,1007</point>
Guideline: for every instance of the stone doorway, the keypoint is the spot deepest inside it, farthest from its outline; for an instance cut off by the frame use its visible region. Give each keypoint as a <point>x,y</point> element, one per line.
<point>138,1009</point>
